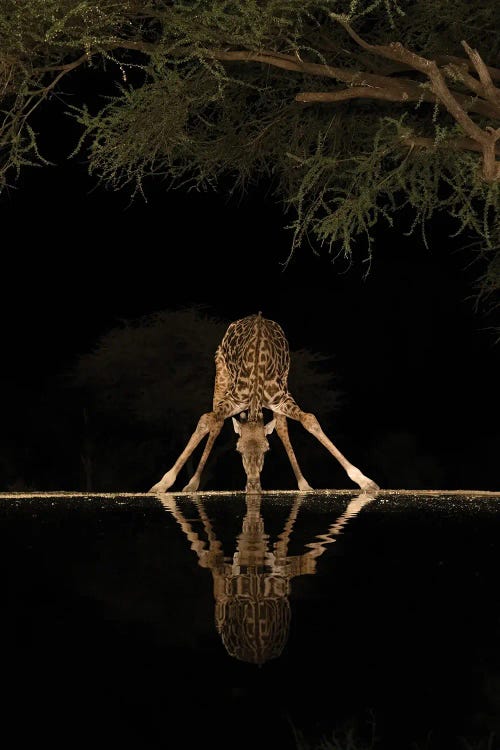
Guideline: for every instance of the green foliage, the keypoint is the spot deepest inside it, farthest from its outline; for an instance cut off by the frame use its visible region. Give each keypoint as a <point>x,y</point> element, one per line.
<point>138,132</point>
<point>37,39</point>
<point>181,102</point>
<point>342,196</point>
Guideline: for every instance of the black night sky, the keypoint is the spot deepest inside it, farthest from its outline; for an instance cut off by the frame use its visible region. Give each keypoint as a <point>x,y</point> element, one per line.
<point>418,366</point>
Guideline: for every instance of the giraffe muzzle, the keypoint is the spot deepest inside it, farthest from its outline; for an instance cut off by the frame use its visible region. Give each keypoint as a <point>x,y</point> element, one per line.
<point>253,486</point>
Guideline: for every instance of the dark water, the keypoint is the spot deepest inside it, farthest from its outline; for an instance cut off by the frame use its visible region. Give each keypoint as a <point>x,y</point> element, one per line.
<point>280,621</point>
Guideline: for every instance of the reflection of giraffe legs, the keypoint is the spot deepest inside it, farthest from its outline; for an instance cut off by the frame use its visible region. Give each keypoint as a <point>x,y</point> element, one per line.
<point>207,423</point>
<point>289,408</point>
<point>282,430</point>
<point>281,544</point>
<point>356,504</point>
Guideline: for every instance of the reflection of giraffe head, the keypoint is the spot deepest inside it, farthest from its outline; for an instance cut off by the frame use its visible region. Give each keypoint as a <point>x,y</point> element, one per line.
<point>253,445</point>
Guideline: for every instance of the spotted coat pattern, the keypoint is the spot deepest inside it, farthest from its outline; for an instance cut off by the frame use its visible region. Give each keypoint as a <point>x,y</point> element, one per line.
<point>252,364</point>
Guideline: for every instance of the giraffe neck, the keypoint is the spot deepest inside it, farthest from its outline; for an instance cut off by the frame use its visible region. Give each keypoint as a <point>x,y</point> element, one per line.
<point>256,381</point>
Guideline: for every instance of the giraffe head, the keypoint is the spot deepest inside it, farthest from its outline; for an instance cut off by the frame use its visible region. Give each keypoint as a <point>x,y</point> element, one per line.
<point>253,446</point>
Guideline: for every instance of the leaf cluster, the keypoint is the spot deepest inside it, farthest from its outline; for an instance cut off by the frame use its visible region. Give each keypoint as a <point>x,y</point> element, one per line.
<point>204,95</point>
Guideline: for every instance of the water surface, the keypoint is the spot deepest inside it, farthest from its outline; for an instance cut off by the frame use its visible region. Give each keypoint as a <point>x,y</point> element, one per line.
<point>275,621</point>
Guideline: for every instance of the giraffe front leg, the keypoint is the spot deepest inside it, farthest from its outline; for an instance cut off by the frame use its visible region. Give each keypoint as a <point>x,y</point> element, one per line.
<point>289,408</point>
<point>194,482</point>
<point>311,424</point>
<point>165,482</point>
<point>364,483</point>
<point>282,430</point>
<point>201,430</point>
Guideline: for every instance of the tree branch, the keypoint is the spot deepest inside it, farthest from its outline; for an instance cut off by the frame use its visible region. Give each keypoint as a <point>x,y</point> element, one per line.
<point>402,89</point>
<point>458,144</point>
<point>456,71</point>
<point>490,90</point>
<point>356,92</point>
<point>445,59</point>
<point>63,69</point>
<point>486,101</point>
<point>485,138</point>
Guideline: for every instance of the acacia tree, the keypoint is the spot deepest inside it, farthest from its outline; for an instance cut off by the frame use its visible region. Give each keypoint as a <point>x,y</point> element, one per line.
<point>353,109</point>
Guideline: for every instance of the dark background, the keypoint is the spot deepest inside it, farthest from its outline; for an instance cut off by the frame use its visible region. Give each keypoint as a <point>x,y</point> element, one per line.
<point>417,365</point>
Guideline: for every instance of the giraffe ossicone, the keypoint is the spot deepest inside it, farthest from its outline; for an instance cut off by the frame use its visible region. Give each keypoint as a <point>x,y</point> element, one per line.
<point>251,374</point>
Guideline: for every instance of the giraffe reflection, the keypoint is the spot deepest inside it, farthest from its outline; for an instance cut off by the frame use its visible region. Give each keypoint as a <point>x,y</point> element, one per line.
<point>251,588</point>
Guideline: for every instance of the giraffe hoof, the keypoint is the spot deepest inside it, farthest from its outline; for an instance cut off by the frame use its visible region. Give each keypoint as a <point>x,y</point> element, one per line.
<point>156,488</point>
<point>370,487</point>
<point>305,486</point>
<point>191,487</point>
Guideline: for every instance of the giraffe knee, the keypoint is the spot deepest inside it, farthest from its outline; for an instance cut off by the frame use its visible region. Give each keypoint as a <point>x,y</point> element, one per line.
<point>310,422</point>
<point>206,422</point>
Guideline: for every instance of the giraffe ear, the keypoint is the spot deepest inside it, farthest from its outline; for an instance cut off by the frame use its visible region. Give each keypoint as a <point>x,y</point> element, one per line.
<point>236,425</point>
<point>269,427</point>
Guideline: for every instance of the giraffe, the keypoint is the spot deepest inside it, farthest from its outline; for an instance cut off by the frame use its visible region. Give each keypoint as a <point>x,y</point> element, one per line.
<point>251,373</point>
